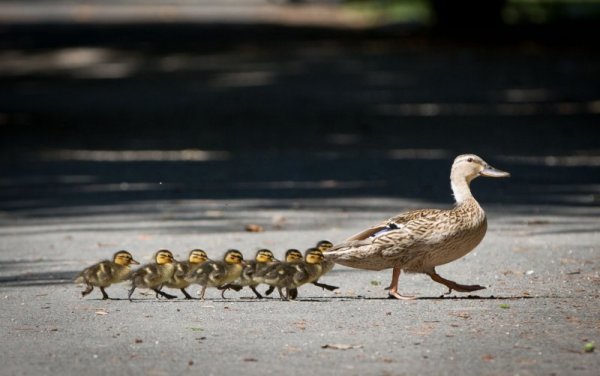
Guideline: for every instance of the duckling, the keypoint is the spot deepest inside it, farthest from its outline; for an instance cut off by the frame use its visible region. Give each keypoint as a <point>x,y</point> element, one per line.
<point>324,246</point>
<point>293,275</point>
<point>154,276</point>
<point>105,273</point>
<point>292,256</point>
<point>419,240</point>
<point>253,272</point>
<point>195,259</point>
<point>218,273</point>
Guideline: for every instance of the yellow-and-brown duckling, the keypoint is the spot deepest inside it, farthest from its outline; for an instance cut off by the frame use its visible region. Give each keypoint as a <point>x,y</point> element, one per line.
<point>218,273</point>
<point>324,246</point>
<point>292,256</point>
<point>106,273</point>
<point>153,276</point>
<point>419,240</point>
<point>253,272</point>
<point>195,259</point>
<point>290,276</point>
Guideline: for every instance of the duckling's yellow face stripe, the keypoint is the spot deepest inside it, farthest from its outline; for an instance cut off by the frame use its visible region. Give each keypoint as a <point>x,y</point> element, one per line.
<point>324,245</point>
<point>293,256</point>
<point>233,257</point>
<point>124,258</point>
<point>264,256</point>
<point>314,256</point>
<point>164,257</point>
<point>197,256</point>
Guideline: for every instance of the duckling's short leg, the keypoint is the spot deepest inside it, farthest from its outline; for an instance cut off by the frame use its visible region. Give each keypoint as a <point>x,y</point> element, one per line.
<point>104,294</point>
<point>270,290</point>
<point>185,293</point>
<point>164,294</point>
<point>87,290</point>
<point>325,286</point>
<point>258,295</point>
<point>453,285</point>
<point>131,292</point>
<point>293,293</point>
<point>393,289</point>
<point>281,295</point>
<point>202,292</point>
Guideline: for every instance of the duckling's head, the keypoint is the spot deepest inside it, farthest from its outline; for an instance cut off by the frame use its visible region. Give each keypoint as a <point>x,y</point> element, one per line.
<point>164,256</point>
<point>470,166</point>
<point>293,255</point>
<point>233,256</point>
<point>324,245</point>
<point>313,256</point>
<point>264,255</point>
<point>197,256</point>
<point>124,258</point>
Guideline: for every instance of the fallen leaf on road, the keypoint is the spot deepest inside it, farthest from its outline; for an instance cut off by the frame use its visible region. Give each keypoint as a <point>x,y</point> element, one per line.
<point>340,346</point>
<point>254,228</point>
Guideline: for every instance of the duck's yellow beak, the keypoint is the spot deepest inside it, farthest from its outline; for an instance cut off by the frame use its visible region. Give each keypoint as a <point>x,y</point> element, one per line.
<point>132,261</point>
<point>491,172</point>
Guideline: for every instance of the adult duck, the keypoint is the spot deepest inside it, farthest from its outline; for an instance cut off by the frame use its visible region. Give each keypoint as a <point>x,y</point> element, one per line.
<point>419,240</point>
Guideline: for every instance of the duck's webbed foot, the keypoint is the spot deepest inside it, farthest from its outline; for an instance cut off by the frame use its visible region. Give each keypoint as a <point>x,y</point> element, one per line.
<point>453,285</point>
<point>393,287</point>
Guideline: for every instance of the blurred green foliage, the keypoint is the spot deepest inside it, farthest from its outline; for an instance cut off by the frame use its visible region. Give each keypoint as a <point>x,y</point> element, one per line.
<point>514,12</point>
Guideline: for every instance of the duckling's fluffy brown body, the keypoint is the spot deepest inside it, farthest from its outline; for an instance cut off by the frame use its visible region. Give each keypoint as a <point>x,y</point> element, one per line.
<point>153,276</point>
<point>106,273</point>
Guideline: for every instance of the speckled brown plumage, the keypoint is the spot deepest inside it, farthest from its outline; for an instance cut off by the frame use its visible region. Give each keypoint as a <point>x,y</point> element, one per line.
<point>419,240</point>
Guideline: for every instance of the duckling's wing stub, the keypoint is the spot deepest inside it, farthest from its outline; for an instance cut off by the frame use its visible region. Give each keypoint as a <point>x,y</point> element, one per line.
<point>105,270</point>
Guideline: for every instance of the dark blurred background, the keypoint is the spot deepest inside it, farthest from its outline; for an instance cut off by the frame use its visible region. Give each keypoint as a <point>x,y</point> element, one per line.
<point>125,101</point>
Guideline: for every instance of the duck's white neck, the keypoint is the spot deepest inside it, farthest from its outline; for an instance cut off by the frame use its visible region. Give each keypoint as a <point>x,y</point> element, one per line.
<point>460,188</point>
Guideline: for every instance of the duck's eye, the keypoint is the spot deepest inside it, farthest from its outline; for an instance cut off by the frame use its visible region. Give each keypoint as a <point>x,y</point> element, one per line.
<point>470,160</point>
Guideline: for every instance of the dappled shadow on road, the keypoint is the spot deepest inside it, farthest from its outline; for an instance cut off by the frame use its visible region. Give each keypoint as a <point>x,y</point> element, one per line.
<point>96,117</point>
<point>38,279</point>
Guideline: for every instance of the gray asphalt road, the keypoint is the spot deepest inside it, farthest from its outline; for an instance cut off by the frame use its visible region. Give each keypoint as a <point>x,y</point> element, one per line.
<point>116,133</point>
<point>541,306</point>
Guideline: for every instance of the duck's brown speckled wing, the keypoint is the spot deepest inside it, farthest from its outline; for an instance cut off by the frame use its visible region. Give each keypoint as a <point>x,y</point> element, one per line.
<point>397,240</point>
<point>414,218</point>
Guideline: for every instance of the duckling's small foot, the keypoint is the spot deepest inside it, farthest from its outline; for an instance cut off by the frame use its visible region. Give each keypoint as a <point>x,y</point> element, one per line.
<point>270,290</point>
<point>185,293</point>
<point>258,295</point>
<point>87,290</point>
<point>164,294</point>
<point>293,293</point>
<point>104,294</point>
<point>325,286</point>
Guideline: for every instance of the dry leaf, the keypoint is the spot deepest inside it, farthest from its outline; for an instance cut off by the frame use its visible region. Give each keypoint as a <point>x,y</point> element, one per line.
<point>254,228</point>
<point>340,346</point>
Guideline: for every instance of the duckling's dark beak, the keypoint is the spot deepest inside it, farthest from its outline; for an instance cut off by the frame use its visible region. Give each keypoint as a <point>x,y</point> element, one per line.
<point>134,262</point>
<point>491,172</point>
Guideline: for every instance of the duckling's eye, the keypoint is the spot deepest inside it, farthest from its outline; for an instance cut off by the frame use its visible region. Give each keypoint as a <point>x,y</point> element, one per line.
<point>470,160</point>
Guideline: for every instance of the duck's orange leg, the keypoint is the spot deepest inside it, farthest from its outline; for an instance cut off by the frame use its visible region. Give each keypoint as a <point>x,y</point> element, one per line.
<point>393,289</point>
